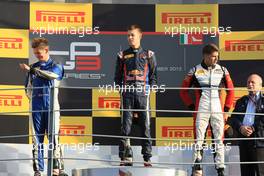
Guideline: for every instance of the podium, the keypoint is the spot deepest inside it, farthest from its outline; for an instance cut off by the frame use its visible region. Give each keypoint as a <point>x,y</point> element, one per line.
<point>128,171</point>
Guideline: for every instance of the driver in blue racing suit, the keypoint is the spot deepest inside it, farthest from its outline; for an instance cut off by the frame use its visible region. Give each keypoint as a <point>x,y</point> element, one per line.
<point>41,76</point>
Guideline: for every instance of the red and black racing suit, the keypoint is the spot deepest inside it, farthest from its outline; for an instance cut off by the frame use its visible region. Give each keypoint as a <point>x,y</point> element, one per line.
<point>208,104</point>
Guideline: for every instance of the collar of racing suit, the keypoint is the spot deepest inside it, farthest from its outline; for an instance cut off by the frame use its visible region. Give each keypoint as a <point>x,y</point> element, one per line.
<point>137,50</point>
<point>41,63</point>
<point>205,66</point>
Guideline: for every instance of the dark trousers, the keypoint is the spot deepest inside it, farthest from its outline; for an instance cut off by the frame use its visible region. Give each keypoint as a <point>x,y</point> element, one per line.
<point>251,154</point>
<point>260,158</point>
<point>141,103</point>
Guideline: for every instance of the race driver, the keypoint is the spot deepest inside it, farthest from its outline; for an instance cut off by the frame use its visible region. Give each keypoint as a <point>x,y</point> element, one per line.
<point>41,76</point>
<point>209,77</point>
<point>136,73</point>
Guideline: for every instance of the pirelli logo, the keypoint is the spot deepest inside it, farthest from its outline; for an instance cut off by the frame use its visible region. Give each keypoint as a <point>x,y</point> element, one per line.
<point>186,18</point>
<point>244,45</point>
<point>177,131</point>
<point>60,16</point>
<point>11,43</point>
<point>109,102</point>
<point>10,100</point>
<point>72,129</point>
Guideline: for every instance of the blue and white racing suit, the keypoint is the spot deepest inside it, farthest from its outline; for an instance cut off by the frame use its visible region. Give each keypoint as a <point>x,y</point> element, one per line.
<point>41,77</point>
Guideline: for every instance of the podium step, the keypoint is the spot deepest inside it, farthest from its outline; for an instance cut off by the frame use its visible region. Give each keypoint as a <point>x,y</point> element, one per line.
<point>128,171</point>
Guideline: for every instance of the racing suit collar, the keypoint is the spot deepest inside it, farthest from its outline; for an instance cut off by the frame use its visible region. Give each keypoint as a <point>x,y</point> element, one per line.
<point>41,63</point>
<point>205,66</point>
<point>136,50</point>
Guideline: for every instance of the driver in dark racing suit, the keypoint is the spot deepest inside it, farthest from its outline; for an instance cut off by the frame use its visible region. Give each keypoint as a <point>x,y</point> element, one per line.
<point>135,73</point>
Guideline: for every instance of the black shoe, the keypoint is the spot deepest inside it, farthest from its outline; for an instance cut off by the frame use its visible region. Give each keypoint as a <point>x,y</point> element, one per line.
<point>197,169</point>
<point>147,163</point>
<point>221,172</point>
<point>197,165</point>
<point>62,173</point>
<point>196,172</point>
<point>128,157</point>
<point>37,173</point>
<point>126,162</point>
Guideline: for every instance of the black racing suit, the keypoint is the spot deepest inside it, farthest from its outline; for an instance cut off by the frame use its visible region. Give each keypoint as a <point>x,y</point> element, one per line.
<point>135,73</point>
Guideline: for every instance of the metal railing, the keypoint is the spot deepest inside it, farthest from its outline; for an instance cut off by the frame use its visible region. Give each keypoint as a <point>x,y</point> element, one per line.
<point>51,132</point>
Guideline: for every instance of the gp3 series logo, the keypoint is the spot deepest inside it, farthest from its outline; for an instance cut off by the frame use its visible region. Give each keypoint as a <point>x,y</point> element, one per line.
<point>82,61</point>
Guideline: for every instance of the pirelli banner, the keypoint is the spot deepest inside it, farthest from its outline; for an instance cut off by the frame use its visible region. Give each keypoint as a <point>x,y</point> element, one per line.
<point>65,17</point>
<point>174,129</point>
<point>108,104</point>
<point>13,100</point>
<point>73,130</point>
<point>242,46</point>
<point>14,43</point>
<point>79,127</point>
<point>182,18</point>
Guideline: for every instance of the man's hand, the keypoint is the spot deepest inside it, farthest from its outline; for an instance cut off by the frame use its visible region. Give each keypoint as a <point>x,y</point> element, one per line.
<point>246,130</point>
<point>24,67</point>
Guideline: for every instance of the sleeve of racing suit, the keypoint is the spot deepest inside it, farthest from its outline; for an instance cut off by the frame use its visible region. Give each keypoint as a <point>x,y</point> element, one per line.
<point>230,91</point>
<point>152,69</point>
<point>119,69</point>
<point>184,93</point>
<point>56,73</point>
